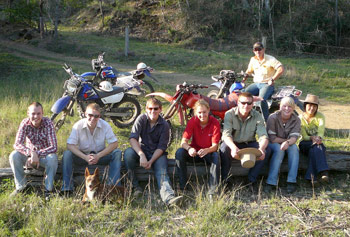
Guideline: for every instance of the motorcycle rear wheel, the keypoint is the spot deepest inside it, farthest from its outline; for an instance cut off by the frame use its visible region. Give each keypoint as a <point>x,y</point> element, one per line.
<point>130,107</point>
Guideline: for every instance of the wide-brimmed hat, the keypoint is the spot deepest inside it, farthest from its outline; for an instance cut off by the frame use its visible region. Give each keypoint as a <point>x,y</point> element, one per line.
<point>248,156</point>
<point>311,99</point>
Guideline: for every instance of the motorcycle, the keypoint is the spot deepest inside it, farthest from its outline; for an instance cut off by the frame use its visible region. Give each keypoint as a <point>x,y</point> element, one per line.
<point>227,83</point>
<point>116,105</point>
<point>104,72</point>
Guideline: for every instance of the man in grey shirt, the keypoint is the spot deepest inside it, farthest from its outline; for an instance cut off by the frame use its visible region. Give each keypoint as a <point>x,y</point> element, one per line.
<point>149,139</point>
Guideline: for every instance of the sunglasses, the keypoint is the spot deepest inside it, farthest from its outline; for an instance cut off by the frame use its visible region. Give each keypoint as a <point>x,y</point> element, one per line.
<point>258,49</point>
<point>154,108</point>
<point>93,115</point>
<point>245,103</point>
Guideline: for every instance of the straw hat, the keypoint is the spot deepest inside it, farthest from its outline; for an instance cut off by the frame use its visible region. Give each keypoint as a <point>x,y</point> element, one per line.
<point>311,99</point>
<point>248,156</point>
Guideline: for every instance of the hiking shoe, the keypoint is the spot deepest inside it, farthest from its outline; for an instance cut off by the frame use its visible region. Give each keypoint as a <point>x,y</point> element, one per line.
<point>324,177</point>
<point>291,187</point>
<point>174,200</point>
<point>268,188</point>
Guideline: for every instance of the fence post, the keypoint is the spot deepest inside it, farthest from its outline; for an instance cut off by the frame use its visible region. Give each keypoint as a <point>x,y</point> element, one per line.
<point>126,50</point>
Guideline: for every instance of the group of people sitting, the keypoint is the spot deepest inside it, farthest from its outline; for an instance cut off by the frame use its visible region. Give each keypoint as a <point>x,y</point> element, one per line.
<point>92,141</point>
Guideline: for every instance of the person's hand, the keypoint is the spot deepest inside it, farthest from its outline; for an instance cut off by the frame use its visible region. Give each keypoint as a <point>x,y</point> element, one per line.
<point>262,157</point>
<point>143,160</point>
<point>284,146</point>
<point>234,152</point>
<point>271,82</point>
<point>148,165</point>
<point>93,159</point>
<point>34,160</point>
<point>203,152</point>
<point>192,152</point>
<point>316,140</point>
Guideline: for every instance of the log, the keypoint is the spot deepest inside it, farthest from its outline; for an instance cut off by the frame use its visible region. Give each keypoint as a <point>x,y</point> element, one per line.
<point>337,161</point>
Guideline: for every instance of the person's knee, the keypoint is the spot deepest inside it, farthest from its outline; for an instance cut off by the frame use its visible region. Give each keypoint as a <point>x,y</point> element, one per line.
<point>52,161</point>
<point>117,154</point>
<point>180,154</point>
<point>15,157</point>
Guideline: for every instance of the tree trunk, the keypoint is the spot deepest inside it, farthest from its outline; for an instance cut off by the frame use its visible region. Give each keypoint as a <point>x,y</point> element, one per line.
<point>336,24</point>
<point>102,15</point>
<point>57,9</point>
<point>41,19</point>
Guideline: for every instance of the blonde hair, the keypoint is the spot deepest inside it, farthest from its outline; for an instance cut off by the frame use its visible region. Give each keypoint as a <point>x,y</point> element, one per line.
<point>199,103</point>
<point>289,101</point>
<point>94,106</point>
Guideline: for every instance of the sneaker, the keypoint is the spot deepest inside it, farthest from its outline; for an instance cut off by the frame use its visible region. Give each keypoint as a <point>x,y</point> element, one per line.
<point>48,195</point>
<point>268,188</point>
<point>291,187</point>
<point>324,177</point>
<point>174,200</point>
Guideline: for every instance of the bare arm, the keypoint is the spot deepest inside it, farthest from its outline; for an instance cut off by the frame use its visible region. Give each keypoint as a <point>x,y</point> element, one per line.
<point>77,152</point>
<point>234,149</point>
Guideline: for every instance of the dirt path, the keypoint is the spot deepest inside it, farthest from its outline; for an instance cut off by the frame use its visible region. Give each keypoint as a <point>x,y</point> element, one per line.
<point>337,115</point>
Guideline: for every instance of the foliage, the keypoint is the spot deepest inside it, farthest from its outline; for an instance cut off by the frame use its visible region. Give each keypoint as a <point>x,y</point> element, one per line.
<point>22,11</point>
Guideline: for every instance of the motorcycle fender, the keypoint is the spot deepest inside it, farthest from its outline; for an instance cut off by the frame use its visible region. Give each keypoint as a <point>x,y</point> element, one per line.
<point>216,84</point>
<point>163,95</point>
<point>112,99</point>
<point>60,104</point>
<point>88,74</point>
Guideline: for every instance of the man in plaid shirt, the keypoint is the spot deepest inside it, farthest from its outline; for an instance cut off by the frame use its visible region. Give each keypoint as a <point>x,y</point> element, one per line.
<point>35,145</point>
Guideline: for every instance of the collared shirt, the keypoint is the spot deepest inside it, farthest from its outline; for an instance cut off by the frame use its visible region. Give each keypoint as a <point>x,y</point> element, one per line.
<point>276,128</point>
<point>42,140</point>
<point>244,131</point>
<point>88,142</point>
<point>202,137</point>
<point>264,69</point>
<point>153,138</point>
<point>316,126</point>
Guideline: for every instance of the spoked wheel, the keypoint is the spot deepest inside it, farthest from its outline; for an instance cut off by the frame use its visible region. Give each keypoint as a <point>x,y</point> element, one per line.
<point>212,94</point>
<point>147,87</point>
<point>59,123</point>
<point>129,109</point>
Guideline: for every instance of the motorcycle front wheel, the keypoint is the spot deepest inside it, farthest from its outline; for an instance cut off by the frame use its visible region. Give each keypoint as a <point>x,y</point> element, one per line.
<point>147,87</point>
<point>212,94</point>
<point>130,108</point>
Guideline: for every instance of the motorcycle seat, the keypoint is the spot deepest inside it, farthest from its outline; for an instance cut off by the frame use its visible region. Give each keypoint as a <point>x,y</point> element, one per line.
<point>103,94</point>
<point>222,104</point>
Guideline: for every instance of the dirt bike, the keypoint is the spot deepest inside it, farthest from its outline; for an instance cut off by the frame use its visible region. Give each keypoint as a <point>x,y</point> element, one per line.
<point>104,72</point>
<point>116,105</point>
<point>227,83</point>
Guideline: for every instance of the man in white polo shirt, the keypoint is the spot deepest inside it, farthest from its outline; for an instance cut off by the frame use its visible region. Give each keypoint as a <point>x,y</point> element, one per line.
<point>87,146</point>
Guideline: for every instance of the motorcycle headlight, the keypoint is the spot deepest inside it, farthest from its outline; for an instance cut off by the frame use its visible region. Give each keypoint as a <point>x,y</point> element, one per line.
<point>72,85</point>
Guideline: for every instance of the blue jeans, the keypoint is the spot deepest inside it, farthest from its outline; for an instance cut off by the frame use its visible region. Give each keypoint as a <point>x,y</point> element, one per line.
<point>226,160</point>
<point>160,168</point>
<point>276,161</point>
<point>113,160</point>
<point>317,158</point>
<point>182,157</point>
<point>264,91</point>
<point>18,160</point>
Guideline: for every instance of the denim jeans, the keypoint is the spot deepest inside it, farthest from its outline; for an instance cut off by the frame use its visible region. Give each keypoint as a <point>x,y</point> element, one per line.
<point>226,160</point>
<point>317,158</point>
<point>182,157</point>
<point>276,161</point>
<point>160,168</point>
<point>264,91</point>
<point>113,160</point>
<point>18,160</point>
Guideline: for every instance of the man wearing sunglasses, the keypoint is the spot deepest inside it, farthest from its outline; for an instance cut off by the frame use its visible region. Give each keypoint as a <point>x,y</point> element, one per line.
<point>149,140</point>
<point>241,125</point>
<point>87,146</point>
<point>266,70</point>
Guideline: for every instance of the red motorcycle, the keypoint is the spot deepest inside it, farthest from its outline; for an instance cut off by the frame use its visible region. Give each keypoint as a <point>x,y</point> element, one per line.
<point>186,96</point>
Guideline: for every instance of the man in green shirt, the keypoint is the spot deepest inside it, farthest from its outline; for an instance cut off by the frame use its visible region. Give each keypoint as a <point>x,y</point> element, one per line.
<point>241,125</point>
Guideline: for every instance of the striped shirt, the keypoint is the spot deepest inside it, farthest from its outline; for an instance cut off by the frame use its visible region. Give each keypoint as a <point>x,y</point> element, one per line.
<point>42,140</point>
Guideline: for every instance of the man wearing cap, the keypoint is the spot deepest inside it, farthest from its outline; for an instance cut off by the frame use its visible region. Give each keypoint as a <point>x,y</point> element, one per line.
<point>266,70</point>
<point>241,125</point>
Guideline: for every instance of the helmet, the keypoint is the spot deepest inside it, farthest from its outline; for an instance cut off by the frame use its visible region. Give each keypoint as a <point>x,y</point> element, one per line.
<point>106,86</point>
<point>141,66</point>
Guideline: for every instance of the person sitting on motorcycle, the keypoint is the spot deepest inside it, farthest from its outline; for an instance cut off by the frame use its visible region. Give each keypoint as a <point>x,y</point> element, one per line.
<point>204,130</point>
<point>266,70</point>
<point>312,131</point>
<point>149,140</point>
<point>241,125</point>
<point>283,128</point>
<point>87,146</point>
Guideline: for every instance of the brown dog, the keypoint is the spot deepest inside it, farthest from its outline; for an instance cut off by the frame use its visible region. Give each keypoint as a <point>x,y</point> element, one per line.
<point>95,190</point>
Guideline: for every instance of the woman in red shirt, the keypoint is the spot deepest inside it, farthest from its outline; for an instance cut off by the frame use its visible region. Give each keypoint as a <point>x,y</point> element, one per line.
<point>204,130</point>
